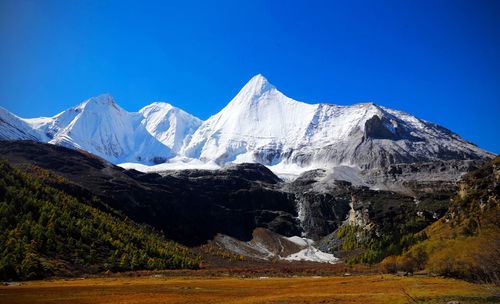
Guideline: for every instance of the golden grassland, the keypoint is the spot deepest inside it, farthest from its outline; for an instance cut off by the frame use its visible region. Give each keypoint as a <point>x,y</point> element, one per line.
<point>191,289</point>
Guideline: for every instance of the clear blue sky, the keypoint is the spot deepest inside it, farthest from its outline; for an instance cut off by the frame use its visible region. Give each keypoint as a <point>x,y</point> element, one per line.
<point>438,60</point>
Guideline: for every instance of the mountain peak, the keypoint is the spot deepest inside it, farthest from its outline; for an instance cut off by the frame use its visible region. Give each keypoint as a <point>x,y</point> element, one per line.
<point>257,86</point>
<point>253,91</point>
<point>104,99</point>
<point>98,102</point>
<point>157,106</point>
<point>260,124</point>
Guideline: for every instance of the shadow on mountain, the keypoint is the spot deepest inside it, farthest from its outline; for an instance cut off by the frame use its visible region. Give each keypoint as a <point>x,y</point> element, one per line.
<point>189,206</point>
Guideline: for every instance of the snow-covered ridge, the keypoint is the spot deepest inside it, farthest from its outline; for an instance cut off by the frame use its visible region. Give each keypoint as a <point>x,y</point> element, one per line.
<point>100,126</point>
<point>170,125</point>
<point>14,127</point>
<point>259,125</point>
<point>262,125</point>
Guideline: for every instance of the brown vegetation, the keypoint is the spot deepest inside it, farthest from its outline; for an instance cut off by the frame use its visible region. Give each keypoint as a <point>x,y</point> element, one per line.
<point>159,289</point>
<point>465,243</point>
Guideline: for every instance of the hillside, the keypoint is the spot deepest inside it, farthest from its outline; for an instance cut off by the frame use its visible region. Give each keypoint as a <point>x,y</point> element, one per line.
<point>45,231</point>
<point>465,243</point>
<point>238,199</point>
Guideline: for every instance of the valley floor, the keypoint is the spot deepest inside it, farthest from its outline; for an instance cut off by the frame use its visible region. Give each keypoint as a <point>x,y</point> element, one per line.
<point>161,288</point>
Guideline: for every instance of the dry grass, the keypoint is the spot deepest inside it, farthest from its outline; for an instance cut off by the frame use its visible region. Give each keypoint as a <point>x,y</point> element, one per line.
<point>337,289</point>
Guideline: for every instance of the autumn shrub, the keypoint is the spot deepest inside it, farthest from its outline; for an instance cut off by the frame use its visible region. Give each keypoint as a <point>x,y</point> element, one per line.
<point>394,264</point>
<point>408,264</point>
<point>487,256</point>
<point>456,260</point>
<point>390,264</point>
<point>420,256</point>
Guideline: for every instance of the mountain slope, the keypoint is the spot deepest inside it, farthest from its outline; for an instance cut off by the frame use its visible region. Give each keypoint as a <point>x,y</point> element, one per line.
<point>259,125</point>
<point>13,127</point>
<point>46,231</point>
<point>189,206</point>
<point>262,125</point>
<point>170,125</point>
<point>98,125</point>
<point>465,243</point>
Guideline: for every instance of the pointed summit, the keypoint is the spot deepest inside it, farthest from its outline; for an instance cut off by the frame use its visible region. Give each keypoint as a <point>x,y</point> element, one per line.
<point>168,124</point>
<point>103,101</point>
<point>258,114</point>
<point>257,89</point>
<point>156,106</point>
<point>257,86</point>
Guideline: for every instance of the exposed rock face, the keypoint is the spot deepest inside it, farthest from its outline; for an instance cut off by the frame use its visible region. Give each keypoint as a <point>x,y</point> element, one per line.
<point>359,215</point>
<point>324,203</point>
<point>321,212</point>
<point>419,178</point>
<point>264,244</point>
<point>479,193</point>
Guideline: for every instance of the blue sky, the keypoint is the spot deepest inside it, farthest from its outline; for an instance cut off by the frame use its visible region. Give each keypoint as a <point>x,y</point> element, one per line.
<point>438,60</point>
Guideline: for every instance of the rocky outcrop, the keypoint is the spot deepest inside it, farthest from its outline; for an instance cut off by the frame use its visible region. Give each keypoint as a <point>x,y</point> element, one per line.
<point>422,177</point>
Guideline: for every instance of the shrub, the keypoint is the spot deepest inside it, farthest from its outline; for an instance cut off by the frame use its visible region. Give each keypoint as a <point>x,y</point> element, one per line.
<point>408,264</point>
<point>456,260</point>
<point>390,264</point>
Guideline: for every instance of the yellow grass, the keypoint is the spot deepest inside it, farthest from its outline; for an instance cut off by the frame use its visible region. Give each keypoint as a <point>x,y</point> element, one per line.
<point>355,289</point>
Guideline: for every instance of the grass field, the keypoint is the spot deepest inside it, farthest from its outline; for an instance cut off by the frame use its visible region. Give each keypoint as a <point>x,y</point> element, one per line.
<point>191,289</point>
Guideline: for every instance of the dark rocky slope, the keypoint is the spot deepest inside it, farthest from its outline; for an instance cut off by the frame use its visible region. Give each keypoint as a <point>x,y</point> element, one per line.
<point>193,206</point>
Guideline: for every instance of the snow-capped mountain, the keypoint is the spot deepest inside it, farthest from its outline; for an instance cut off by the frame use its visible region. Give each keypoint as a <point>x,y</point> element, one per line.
<point>170,125</point>
<point>259,125</point>
<point>98,125</point>
<point>262,125</point>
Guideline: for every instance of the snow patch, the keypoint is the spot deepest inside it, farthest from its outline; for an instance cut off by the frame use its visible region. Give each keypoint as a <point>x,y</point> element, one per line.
<point>301,241</point>
<point>174,164</point>
<point>309,253</point>
<point>312,254</point>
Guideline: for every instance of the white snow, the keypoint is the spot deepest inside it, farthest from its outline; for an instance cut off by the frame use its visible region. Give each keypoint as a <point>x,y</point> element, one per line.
<point>100,126</point>
<point>14,127</point>
<point>173,164</point>
<point>288,171</point>
<point>312,254</point>
<point>259,250</point>
<point>309,253</point>
<point>301,241</point>
<point>168,124</point>
<point>259,125</point>
<point>262,125</point>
